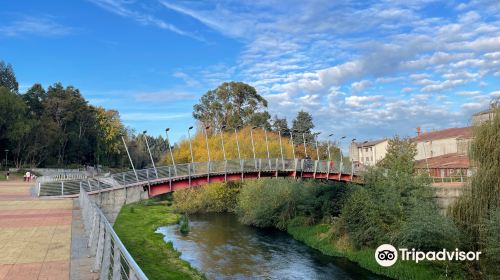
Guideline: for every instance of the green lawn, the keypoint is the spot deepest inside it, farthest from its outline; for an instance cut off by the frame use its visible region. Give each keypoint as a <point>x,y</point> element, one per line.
<point>136,225</point>
<point>316,237</point>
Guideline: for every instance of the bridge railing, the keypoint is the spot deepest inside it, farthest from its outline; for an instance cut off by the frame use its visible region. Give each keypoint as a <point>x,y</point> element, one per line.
<point>190,170</point>
<point>112,260</point>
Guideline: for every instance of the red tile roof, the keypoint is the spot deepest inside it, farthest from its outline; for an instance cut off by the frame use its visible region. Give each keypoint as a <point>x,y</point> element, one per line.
<point>445,161</point>
<point>456,132</point>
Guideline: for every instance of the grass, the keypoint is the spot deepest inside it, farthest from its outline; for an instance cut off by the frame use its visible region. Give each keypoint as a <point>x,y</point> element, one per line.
<point>316,237</point>
<point>136,225</point>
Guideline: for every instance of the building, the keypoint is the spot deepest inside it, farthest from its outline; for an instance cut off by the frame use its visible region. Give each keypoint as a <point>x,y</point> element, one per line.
<point>368,152</point>
<point>442,142</point>
<point>445,166</point>
<point>486,115</point>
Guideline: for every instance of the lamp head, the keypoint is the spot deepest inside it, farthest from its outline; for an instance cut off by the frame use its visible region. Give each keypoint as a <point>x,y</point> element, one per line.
<point>167,129</point>
<point>190,128</point>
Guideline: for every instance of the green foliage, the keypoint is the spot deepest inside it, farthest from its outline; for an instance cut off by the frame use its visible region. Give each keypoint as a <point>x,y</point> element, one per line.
<point>184,224</point>
<point>317,237</point>
<point>426,230</point>
<point>275,202</point>
<point>491,243</point>
<point>232,104</point>
<point>136,228</point>
<point>476,210</point>
<point>303,124</point>
<point>281,124</point>
<point>8,78</point>
<point>215,197</point>
<point>375,214</point>
<point>400,155</point>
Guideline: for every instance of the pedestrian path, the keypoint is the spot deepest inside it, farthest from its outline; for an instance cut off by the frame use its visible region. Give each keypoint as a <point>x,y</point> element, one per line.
<point>35,234</point>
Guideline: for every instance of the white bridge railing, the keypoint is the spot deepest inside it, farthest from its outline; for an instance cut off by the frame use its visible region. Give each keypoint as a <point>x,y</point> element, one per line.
<point>193,170</point>
<point>112,260</point>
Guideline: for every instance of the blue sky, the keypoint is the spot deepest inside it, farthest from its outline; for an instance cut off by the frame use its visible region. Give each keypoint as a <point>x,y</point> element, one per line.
<point>364,69</point>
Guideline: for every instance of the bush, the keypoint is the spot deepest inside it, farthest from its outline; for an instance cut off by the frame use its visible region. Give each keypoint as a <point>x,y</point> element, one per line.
<point>215,197</point>
<point>426,230</point>
<point>268,203</point>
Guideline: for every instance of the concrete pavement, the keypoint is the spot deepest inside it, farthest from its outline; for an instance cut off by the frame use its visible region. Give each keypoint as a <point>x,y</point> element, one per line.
<point>35,234</point>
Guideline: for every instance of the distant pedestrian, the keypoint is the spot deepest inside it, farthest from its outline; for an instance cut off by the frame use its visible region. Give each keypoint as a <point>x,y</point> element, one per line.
<point>7,175</point>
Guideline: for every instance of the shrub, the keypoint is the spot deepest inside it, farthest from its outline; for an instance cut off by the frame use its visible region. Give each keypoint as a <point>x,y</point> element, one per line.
<point>426,230</point>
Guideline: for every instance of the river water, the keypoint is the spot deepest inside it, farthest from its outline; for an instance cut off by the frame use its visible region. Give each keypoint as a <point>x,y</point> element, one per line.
<point>222,248</point>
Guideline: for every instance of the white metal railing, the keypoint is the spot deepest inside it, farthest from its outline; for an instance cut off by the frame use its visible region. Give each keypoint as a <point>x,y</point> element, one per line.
<point>193,170</point>
<point>112,260</point>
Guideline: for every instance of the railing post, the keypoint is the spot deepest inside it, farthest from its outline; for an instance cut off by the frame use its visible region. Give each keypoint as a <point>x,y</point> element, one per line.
<point>169,179</point>
<point>124,179</point>
<point>116,262</point>
<point>100,247</point>
<point>315,168</point>
<point>242,164</point>
<point>260,167</point>
<point>189,173</point>
<point>296,163</point>
<point>106,255</point>
<point>62,188</point>
<point>208,172</point>
<point>225,170</point>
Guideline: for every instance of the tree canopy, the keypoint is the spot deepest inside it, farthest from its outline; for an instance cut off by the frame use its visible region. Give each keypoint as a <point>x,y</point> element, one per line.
<point>232,104</point>
<point>8,78</point>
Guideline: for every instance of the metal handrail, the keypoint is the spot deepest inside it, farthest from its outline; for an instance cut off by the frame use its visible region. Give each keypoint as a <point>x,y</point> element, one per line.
<point>112,259</point>
<point>191,170</point>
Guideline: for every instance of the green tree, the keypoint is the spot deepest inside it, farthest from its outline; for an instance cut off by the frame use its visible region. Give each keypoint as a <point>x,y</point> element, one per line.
<point>478,207</point>
<point>400,155</point>
<point>8,78</point>
<point>303,124</point>
<point>232,104</point>
<point>12,120</point>
<point>34,98</point>
<point>281,124</point>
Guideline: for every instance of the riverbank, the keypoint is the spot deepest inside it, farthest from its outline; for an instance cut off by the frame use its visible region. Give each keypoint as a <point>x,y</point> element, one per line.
<point>317,237</point>
<point>136,225</point>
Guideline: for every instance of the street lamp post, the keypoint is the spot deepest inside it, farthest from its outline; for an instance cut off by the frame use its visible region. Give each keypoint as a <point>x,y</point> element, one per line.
<point>253,146</point>
<point>190,145</point>
<point>206,141</point>
<point>6,152</point>
<point>341,155</point>
<point>267,147</point>
<point>222,142</point>
<point>293,145</point>
<point>237,142</point>
<point>329,154</point>
<point>304,139</point>
<point>281,150</point>
<point>171,154</point>
<point>130,158</point>
<point>149,150</point>
<point>351,156</point>
<point>317,149</point>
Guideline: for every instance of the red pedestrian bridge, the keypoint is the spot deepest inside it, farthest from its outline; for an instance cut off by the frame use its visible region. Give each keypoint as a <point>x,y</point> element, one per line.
<point>166,179</point>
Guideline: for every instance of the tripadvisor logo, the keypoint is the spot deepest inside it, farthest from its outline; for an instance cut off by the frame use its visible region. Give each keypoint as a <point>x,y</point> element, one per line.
<point>386,255</point>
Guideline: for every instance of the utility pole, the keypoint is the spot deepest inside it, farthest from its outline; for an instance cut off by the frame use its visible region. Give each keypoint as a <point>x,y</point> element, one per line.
<point>253,146</point>
<point>237,142</point>
<point>190,145</point>
<point>304,138</point>
<point>293,145</point>
<point>222,142</point>
<point>267,147</point>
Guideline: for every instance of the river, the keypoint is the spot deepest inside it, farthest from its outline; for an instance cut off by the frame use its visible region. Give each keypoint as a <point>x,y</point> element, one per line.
<point>222,248</point>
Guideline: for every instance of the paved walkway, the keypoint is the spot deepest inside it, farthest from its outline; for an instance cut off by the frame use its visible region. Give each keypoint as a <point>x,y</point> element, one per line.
<point>35,234</point>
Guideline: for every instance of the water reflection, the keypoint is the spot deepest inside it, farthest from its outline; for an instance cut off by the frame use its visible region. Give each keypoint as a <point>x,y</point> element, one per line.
<point>222,248</point>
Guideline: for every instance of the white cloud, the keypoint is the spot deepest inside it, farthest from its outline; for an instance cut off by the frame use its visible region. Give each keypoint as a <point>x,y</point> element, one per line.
<point>495,94</point>
<point>121,8</point>
<point>471,106</point>
<point>187,79</point>
<point>445,85</point>
<point>39,26</point>
<point>361,85</point>
<point>468,93</point>
<point>358,101</point>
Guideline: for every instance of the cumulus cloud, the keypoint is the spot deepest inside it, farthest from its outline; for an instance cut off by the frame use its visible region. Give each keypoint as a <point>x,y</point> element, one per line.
<point>361,85</point>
